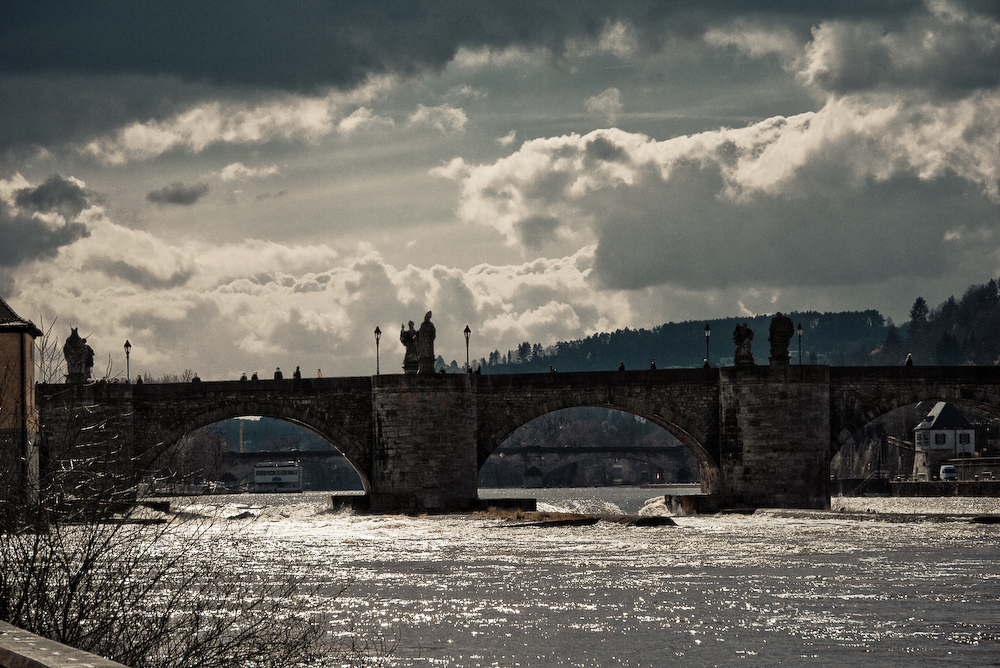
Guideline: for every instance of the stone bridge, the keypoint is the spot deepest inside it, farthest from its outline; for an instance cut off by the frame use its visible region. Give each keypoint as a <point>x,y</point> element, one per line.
<point>763,435</point>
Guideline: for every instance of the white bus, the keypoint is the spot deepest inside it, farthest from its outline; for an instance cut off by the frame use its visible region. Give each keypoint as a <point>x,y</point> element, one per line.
<point>277,477</point>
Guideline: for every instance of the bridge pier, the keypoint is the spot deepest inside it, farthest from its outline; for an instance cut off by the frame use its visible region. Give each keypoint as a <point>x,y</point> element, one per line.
<point>424,455</point>
<point>775,436</point>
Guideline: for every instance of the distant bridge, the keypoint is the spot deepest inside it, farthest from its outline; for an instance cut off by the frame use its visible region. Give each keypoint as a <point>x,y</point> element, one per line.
<point>762,435</point>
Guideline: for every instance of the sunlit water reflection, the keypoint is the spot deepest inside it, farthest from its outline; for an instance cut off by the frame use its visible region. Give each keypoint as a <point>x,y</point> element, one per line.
<point>755,590</point>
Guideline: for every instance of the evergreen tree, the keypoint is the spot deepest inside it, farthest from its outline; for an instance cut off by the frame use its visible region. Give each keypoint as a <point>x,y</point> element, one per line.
<point>947,351</point>
<point>918,315</point>
<point>892,340</point>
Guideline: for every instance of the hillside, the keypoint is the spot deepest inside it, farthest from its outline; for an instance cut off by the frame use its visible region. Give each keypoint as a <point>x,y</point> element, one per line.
<point>962,331</point>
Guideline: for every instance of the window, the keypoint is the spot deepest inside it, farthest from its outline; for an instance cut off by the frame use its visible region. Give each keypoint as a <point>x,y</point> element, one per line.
<point>939,439</point>
<point>965,439</point>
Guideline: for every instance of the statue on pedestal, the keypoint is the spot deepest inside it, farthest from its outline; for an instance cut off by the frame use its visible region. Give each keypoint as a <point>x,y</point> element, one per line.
<point>425,345</point>
<point>79,358</point>
<point>743,338</point>
<point>419,344</point>
<point>408,337</point>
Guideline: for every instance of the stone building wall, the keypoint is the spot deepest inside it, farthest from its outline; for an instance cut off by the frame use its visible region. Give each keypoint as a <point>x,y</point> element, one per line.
<point>18,411</point>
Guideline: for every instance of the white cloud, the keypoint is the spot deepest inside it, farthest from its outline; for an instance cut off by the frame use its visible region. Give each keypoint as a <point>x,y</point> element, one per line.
<point>362,117</point>
<point>485,57</point>
<point>455,169</point>
<point>619,38</point>
<point>215,122</point>
<point>239,171</point>
<point>756,40</point>
<point>447,119</point>
<point>607,105</point>
<point>290,118</point>
<point>507,139</point>
<point>466,92</point>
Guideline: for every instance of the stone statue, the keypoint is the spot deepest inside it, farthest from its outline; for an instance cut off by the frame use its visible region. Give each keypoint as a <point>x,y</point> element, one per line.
<point>743,338</point>
<point>781,332</point>
<point>79,358</point>
<point>408,337</point>
<point>425,345</point>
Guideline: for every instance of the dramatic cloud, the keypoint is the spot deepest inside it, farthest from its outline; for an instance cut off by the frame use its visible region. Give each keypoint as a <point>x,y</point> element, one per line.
<point>949,50</point>
<point>178,193</point>
<point>149,67</point>
<point>279,305</point>
<point>36,221</point>
<point>851,193</point>
<point>536,169</point>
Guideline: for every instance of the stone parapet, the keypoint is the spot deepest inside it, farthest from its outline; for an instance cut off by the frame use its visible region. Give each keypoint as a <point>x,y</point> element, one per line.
<point>21,649</point>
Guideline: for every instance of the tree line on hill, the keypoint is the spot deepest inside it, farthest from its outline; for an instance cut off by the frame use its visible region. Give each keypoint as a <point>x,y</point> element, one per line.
<point>958,331</point>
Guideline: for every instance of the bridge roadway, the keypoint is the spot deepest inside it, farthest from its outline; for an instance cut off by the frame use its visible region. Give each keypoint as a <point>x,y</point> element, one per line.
<point>763,435</point>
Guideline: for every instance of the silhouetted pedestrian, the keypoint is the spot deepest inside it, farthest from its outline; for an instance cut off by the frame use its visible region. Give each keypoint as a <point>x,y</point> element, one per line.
<point>297,374</point>
<point>909,359</point>
<point>652,365</point>
<point>621,366</point>
<point>277,373</point>
<point>254,376</point>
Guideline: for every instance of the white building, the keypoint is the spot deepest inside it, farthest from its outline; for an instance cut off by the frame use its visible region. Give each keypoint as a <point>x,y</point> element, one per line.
<point>943,434</point>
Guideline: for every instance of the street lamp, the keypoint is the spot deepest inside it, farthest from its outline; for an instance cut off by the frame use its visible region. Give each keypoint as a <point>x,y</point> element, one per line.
<point>800,343</point>
<point>378,335</point>
<point>467,333</point>
<point>708,338</point>
<point>128,349</point>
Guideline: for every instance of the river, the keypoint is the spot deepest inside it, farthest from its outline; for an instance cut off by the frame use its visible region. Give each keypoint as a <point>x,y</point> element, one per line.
<point>918,587</point>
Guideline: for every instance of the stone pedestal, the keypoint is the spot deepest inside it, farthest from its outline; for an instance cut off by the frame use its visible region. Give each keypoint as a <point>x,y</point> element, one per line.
<point>775,436</point>
<point>424,457</point>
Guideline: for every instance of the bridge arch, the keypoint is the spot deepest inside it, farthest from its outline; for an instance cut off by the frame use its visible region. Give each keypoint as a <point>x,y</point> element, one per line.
<point>342,441</point>
<point>690,435</point>
<point>337,410</point>
<point>851,410</point>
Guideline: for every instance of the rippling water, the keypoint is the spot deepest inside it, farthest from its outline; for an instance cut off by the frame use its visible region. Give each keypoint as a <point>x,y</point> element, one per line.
<point>753,590</point>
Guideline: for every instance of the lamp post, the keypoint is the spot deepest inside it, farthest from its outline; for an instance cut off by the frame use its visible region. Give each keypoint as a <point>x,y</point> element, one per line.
<point>708,338</point>
<point>378,335</point>
<point>800,343</point>
<point>467,332</point>
<point>128,349</point>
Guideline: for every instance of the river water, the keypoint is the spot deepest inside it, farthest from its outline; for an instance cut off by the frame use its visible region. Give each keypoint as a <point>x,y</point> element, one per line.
<point>767,589</point>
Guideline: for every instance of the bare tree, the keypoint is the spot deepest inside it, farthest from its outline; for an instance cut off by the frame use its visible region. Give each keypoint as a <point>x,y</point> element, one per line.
<point>50,364</point>
<point>82,562</point>
<point>151,595</point>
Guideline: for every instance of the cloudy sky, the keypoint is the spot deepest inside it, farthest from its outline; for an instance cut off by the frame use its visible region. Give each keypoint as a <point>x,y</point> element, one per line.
<point>236,186</point>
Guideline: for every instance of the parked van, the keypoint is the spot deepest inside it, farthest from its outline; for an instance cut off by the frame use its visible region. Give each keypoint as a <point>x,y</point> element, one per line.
<point>948,472</point>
